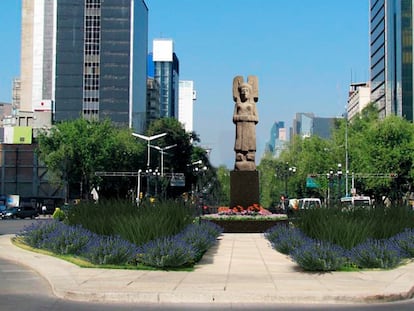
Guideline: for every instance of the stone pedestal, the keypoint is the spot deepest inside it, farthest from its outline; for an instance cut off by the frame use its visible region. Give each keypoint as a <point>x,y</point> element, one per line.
<point>244,188</point>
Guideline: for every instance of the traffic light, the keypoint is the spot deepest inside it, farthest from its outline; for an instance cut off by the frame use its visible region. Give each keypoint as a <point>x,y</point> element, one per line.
<point>141,195</point>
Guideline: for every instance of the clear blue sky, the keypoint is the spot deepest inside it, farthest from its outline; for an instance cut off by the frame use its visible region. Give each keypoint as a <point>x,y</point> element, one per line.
<point>304,53</point>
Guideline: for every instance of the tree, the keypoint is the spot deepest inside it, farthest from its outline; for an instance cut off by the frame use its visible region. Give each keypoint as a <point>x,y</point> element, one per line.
<point>223,176</point>
<point>74,150</point>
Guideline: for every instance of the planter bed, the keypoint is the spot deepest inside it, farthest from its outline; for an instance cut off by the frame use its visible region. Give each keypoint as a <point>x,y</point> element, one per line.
<point>245,225</point>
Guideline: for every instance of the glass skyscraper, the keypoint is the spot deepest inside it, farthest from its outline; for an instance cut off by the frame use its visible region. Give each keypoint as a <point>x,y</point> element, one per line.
<point>166,73</point>
<point>88,57</point>
<point>391,57</point>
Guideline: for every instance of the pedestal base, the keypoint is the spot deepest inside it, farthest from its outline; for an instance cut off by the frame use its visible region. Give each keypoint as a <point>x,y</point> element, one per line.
<point>244,188</point>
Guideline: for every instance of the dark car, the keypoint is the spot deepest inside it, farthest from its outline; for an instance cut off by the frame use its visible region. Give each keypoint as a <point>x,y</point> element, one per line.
<point>19,212</point>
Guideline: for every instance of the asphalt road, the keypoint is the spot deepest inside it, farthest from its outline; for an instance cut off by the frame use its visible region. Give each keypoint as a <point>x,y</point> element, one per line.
<point>23,289</point>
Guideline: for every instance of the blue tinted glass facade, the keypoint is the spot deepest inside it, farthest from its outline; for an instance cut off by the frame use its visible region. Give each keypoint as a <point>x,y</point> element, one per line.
<point>167,75</point>
<point>101,52</point>
<point>69,60</point>
<point>391,57</point>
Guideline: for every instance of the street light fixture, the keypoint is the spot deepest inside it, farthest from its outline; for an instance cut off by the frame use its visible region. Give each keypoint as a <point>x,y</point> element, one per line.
<point>149,139</point>
<point>162,151</point>
<point>339,174</point>
<point>289,171</point>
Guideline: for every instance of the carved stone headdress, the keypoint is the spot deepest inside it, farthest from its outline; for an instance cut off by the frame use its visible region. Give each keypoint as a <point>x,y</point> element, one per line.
<point>251,81</point>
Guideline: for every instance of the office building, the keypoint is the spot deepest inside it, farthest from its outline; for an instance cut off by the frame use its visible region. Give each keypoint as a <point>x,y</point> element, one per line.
<point>278,139</point>
<point>85,58</point>
<point>307,125</point>
<point>302,124</point>
<point>359,97</point>
<point>153,100</point>
<point>186,98</point>
<point>391,57</point>
<point>166,73</point>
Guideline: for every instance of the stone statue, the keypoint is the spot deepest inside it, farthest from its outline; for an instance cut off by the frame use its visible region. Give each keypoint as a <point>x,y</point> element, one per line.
<point>245,117</point>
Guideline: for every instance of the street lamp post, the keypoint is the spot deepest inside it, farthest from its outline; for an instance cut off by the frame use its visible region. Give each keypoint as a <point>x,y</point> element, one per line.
<point>149,139</point>
<point>339,174</point>
<point>289,171</point>
<point>162,151</point>
<point>330,176</point>
<point>138,186</point>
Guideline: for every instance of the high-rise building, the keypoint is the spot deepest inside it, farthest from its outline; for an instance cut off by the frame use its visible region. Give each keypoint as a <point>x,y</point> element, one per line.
<point>359,97</point>
<point>153,100</point>
<point>303,123</point>
<point>166,73</point>
<point>85,58</point>
<point>306,124</point>
<point>186,98</point>
<point>278,139</point>
<point>391,57</point>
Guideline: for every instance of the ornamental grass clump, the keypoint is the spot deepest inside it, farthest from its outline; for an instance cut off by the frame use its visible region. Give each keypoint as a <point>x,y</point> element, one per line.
<point>384,254</point>
<point>285,238</point>
<point>316,255</point>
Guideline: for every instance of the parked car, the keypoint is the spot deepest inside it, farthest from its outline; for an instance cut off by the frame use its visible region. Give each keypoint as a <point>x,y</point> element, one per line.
<point>309,203</point>
<point>19,212</point>
<point>355,202</point>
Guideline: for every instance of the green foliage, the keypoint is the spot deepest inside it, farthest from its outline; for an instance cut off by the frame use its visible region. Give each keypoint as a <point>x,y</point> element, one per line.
<point>74,150</point>
<point>350,228</point>
<point>135,224</point>
<point>223,177</point>
<point>374,146</point>
<point>176,134</point>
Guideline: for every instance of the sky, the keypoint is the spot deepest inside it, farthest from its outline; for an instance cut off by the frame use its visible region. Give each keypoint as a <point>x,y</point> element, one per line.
<point>304,53</point>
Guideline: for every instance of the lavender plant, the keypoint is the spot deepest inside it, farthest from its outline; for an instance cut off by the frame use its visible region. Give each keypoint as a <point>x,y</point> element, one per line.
<point>34,234</point>
<point>315,255</point>
<point>201,236</point>
<point>167,252</point>
<point>383,253</point>
<point>285,239</point>
<point>65,239</point>
<point>405,240</point>
<point>105,250</point>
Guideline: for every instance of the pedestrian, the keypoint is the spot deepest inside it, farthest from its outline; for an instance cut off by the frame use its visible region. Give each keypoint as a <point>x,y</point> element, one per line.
<point>44,210</point>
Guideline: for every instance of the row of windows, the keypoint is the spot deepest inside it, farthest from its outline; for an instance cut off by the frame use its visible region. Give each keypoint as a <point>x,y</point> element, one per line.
<point>91,106</point>
<point>91,76</point>
<point>94,23</point>
<point>91,4</point>
<point>91,82</point>
<point>91,70</point>
<point>91,87</point>
<point>94,34</point>
<point>89,99</point>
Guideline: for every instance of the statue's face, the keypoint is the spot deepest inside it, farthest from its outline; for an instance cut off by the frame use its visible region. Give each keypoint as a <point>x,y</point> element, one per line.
<point>244,92</point>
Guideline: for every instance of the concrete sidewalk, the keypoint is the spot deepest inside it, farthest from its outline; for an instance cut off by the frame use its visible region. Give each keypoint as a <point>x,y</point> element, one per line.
<point>241,268</point>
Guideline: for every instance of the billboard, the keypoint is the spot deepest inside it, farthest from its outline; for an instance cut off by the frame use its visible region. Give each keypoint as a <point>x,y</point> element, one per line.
<point>17,135</point>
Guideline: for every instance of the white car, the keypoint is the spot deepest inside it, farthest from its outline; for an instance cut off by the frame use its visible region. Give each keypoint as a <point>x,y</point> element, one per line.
<point>306,203</point>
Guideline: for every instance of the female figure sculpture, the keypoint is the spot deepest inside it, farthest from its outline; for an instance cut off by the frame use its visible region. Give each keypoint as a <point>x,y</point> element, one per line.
<point>245,117</point>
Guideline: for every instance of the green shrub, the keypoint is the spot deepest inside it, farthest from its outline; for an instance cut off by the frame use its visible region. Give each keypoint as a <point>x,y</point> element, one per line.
<point>137,225</point>
<point>350,228</point>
